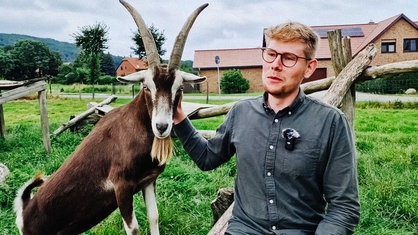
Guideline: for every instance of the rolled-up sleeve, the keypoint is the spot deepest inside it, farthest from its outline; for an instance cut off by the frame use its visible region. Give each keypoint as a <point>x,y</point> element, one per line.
<point>207,154</point>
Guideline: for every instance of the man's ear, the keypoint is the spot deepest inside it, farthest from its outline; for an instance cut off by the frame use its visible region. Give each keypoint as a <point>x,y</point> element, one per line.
<point>310,69</point>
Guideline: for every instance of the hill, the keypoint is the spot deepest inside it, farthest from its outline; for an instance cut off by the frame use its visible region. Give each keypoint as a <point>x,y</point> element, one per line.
<point>68,51</point>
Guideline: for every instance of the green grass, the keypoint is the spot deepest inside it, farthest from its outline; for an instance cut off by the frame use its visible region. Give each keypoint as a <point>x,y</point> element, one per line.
<point>386,138</point>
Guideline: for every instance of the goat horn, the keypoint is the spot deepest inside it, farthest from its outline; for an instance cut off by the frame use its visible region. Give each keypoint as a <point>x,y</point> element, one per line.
<point>150,47</point>
<point>178,47</point>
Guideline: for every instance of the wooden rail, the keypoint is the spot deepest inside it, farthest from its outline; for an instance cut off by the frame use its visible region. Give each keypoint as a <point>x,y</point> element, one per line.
<point>18,90</point>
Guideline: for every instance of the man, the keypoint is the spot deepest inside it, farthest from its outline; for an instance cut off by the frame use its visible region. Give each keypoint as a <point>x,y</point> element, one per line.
<point>296,165</point>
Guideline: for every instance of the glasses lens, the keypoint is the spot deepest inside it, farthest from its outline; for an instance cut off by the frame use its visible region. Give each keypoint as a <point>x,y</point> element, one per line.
<point>269,55</point>
<point>289,59</point>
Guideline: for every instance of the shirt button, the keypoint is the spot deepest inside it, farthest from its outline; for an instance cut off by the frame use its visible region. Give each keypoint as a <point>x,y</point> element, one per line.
<point>290,113</point>
<point>271,147</point>
<point>271,201</point>
<point>276,120</point>
<point>273,227</point>
<point>268,173</point>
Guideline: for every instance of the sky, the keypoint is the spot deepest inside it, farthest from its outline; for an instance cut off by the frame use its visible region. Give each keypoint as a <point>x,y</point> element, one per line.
<point>224,24</point>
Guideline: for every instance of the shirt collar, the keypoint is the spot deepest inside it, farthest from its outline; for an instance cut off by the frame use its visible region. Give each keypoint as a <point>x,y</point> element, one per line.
<point>295,104</point>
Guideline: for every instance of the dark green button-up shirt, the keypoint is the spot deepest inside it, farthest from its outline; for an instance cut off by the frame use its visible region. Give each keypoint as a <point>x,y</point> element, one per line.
<point>285,184</point>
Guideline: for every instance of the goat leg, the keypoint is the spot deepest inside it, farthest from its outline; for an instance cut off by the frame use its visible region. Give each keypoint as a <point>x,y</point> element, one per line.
<point>152,210</point>
<point>124,198</point>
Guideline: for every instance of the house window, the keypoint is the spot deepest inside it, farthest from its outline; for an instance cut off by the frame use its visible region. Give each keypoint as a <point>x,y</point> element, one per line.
<point>389,47</point>
<point>410,45</point>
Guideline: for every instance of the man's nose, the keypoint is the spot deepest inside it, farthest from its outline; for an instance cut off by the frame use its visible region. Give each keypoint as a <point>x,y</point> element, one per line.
<point>277,63</point>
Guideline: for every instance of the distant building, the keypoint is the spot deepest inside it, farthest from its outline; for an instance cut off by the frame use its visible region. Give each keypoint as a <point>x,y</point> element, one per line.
<point>395,38</point>
<point>130,65</point>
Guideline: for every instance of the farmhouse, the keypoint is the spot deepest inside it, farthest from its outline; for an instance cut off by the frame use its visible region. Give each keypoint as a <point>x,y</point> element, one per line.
<point>130,65</point>
<point>395,38</point>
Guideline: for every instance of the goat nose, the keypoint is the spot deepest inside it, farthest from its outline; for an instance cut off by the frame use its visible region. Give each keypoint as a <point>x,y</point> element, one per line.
<point>161,127</point>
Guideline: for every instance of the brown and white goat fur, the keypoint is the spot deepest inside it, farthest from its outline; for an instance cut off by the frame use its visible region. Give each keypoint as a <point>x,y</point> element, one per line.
<point>124,154</point>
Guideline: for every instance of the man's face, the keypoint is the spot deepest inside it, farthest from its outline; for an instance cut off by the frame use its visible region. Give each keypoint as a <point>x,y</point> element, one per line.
<point>282,81</point>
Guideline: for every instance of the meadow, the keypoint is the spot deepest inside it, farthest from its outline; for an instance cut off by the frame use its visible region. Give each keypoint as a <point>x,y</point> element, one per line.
<point>387,147</point>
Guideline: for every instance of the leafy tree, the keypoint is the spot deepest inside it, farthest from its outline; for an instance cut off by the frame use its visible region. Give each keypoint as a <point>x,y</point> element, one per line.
<point>5,62</point>
<point>187,66</point>
<point>159,38</point>
<point>28,59</point>
<point>75,72</point>
<point>93,41</point>
<point>233,82</point>
<point>107,65</point>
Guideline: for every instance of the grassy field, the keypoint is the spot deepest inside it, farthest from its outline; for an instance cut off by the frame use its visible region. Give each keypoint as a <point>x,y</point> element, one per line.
<point>387,145</point>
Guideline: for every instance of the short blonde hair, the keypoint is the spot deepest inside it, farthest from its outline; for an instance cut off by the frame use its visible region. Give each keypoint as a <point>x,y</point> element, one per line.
<point>294,31</point>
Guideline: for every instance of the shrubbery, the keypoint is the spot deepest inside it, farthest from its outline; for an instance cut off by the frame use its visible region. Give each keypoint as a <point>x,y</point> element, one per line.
<point>233,82</point>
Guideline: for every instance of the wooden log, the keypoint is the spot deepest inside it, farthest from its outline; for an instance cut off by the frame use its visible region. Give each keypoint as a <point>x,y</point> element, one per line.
<point>221,225</point>
<point>224,198</point>
<point>318,85</point>
<point>22,91</point>
<point>44,120</point>
<point>212,111</point>
<point>83,115</point>
<point>370,73</point>
<point>340,48</point>
<point>388,69</point>
<point>348,75</point>
<point>2,123</point>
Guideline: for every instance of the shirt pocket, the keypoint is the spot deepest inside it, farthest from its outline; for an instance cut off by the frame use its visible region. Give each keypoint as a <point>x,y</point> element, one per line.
<point>303,160</point>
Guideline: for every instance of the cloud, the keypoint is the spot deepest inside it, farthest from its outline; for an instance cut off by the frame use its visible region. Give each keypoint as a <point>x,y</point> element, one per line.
<point>223,24</point>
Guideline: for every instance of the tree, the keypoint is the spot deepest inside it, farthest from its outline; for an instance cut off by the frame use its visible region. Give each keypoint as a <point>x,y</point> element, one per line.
<point>93,41</point>
<point>5,62</point>
<point>139,48</point>
<point>233,82</point>
<point>107,65</point>
<point>28,59</point>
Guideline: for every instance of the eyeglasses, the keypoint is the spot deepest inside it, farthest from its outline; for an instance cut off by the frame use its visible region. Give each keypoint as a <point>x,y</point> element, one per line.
<point>288,59</point>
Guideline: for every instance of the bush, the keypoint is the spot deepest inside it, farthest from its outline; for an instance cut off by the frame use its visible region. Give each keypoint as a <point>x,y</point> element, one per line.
<point>233,82</point>
<point>106,80</point>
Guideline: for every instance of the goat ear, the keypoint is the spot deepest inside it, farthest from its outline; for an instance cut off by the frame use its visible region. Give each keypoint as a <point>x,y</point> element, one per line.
<point>191,78</point>
<point>133,77</point>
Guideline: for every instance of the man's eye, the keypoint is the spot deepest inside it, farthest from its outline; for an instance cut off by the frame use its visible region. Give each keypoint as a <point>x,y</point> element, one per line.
<point>272,54</point>
<point>289,57</point>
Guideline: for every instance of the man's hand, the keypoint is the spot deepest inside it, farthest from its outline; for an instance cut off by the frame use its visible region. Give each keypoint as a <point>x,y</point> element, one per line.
<point>179,115</point>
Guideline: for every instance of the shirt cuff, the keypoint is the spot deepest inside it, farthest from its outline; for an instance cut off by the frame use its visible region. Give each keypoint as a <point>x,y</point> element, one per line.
<point>331,229</point>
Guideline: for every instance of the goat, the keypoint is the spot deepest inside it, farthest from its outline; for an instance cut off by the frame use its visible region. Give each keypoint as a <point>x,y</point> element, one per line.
<point>123,154</point>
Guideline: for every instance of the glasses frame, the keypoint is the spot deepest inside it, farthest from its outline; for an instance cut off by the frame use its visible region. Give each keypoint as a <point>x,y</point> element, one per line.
<point>263,49</point>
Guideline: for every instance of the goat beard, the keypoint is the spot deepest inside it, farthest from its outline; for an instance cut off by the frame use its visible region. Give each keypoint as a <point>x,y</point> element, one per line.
<point>162,150</point>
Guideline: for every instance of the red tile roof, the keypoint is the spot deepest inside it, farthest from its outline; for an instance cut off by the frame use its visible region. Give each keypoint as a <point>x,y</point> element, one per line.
<point>247,57</point>
<point>138,64</point>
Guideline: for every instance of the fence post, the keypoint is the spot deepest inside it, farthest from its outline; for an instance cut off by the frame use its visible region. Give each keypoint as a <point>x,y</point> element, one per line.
<point>341,55</point>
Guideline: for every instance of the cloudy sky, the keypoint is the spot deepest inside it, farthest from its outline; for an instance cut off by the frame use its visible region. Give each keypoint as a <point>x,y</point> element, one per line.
<point>223,24</point>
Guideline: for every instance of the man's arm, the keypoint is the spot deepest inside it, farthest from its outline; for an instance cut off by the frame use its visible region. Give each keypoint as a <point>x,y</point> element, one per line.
<point>206,154</point>
<point>340,183</point>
